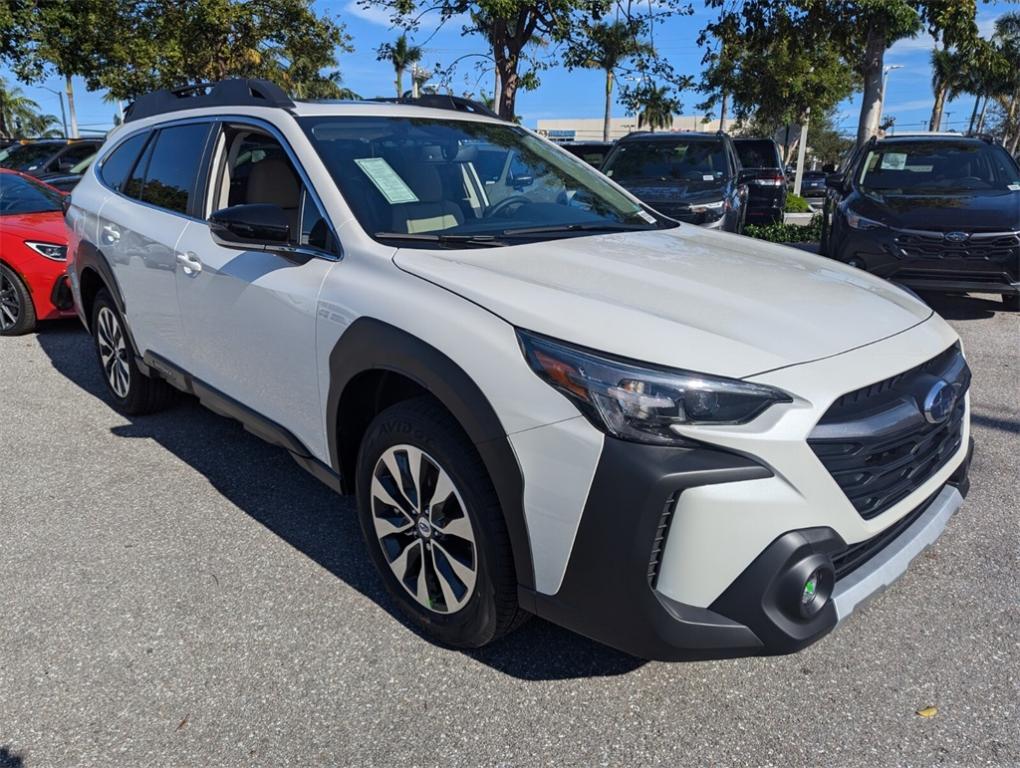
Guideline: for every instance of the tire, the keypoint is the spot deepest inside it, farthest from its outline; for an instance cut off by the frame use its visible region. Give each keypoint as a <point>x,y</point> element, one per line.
<point>17,312</point>
<point>467,596</point>
<point>1011,303</point>
<point>132,392</point>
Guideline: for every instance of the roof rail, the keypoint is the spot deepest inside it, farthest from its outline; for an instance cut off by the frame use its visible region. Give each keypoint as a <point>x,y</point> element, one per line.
<point>441,101</point>
<point>225,93</point>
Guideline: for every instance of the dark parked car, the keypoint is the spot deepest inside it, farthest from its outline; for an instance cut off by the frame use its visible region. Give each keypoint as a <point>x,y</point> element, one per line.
<point>812,184</point>
<point>692,177</point>
<point>931,212</point>
<point>65,182</point>
<point>592,152</point>
<point>48,156</point>
<point>766,200</point>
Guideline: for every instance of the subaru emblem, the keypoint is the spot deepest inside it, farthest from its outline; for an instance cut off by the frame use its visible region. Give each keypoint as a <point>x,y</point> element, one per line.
<point>957,237</point>
<point>939,402</point>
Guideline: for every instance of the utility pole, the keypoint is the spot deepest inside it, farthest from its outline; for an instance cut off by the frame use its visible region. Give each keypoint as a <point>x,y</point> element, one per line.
<point>63,115</point>
<point>801,151</point>
<point>70,107</point>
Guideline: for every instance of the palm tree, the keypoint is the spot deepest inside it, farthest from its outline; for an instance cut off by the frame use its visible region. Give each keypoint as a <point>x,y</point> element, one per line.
<point>946,82</point>
<point>657,107</point>
<point>401,54</point>
<point>606,45</point>
<point>19,115</point>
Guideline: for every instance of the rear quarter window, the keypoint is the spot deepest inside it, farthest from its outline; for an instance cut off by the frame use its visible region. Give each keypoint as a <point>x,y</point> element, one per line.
<point>757,154</point>
<point>173,166</point>
<point>115,169</point>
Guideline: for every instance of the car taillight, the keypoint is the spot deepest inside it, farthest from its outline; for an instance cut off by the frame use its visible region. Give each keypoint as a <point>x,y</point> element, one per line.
<point>768,179</point>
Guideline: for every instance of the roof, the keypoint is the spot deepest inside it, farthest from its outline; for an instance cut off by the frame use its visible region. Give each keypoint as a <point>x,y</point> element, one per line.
<point>661,135</point>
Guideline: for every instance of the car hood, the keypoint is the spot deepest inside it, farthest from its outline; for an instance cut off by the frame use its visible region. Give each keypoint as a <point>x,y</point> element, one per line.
<point>995,210</point>
<point>48,226</point>
<point>685,297</point>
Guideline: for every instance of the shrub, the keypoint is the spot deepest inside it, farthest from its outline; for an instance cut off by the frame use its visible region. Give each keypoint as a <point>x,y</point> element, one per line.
<point>787,233</point>
<point>797,204</point>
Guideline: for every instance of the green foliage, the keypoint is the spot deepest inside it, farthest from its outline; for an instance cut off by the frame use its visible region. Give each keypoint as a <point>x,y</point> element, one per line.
<point>20,115</point>
<point>787,233</point>
<point>401,54</point>
<point>797,204</point>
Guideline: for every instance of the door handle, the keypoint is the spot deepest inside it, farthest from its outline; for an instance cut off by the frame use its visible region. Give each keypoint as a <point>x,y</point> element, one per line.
<point>189,262</point>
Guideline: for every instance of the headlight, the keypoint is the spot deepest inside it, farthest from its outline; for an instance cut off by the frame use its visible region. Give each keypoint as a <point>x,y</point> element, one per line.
<point>49,250</point>
<point>643,403</point>
<point>856,221</point>
<point>714,206</point>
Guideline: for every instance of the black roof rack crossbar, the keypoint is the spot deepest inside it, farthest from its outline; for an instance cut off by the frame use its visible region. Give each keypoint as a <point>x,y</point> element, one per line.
<point>225,93</point>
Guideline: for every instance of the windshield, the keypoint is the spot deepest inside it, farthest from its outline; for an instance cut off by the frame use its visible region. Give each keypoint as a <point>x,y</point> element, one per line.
<point>81,167</point>
<point>665,160</point>
<point>21,195</point>
<point>459,180</point>
<point>757,153</point>
<point>938,168</point>
<point>27,157</point>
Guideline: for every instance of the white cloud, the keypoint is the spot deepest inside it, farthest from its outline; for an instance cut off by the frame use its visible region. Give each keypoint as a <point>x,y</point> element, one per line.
<point>372,14</point>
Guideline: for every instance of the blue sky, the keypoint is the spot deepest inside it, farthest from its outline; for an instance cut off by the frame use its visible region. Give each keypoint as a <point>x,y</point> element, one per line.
<point>570,94</point>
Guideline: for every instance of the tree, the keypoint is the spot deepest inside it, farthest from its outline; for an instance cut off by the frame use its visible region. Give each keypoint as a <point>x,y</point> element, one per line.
<point>606,46</point>
<point>165,44</point>
<point>947,81</point>
<point>513,28</point>
<point>654,105</point>
<point>401,54</point>
<point>20,116</point>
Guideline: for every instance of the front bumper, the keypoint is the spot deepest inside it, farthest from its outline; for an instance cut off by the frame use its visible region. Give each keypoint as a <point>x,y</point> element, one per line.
<point>985,263</point>
<point>609,591</point>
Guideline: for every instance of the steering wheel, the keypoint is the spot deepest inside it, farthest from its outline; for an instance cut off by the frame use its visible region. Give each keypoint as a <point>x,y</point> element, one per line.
<point>505,203</point>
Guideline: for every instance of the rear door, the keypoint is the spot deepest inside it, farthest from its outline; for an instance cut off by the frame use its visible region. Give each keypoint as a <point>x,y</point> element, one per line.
<point>139,227</point>
<point>249,316</point>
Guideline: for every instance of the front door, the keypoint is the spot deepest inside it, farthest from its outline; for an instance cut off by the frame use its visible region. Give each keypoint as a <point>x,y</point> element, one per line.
<point>249,315</point>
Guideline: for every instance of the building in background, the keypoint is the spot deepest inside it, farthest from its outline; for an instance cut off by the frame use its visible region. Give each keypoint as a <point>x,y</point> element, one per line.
<point>590,128</point>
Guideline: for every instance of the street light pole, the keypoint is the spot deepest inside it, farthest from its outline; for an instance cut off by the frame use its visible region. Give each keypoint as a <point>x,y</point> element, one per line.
<point>885,82</point>
<point>63,115</point>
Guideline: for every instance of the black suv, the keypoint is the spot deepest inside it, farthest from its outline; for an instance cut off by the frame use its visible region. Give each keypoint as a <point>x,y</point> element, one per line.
<point>933,212</point>
<point>766,200</point>
<point>692,177</point>
<point>48,156</point>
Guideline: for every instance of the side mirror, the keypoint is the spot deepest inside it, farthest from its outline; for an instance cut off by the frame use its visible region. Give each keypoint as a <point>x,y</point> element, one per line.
<point>829,168</point>
<point>520,182</point>
<point>835,181</point>
<point>253,227</point>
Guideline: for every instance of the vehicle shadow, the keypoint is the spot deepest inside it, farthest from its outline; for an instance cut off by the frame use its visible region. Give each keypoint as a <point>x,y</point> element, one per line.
<point>264,482</point>
<point>963,307</point>
<point>9,759</point>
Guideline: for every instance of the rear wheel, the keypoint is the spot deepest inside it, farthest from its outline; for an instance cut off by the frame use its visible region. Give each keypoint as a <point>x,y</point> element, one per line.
<point>131,391</point>
<point>1011,303</point>
<point>434,528</point>
<point>17,312</point>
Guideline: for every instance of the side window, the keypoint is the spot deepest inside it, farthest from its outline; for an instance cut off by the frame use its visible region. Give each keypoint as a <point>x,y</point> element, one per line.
<point>173,166</point>
<point>255,169</point>
<point>133,186</point>
<point>118,164</point>
<point>74,155</point>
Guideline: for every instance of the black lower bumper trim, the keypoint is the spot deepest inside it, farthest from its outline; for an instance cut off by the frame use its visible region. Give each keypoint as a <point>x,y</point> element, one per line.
<point>60,296</point>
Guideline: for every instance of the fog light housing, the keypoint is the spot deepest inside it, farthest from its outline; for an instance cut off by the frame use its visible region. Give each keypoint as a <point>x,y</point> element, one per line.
<point>815,592</point>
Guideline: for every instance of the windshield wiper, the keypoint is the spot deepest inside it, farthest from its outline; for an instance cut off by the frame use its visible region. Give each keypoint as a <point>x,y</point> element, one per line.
<point>586,226</point>
<point>481,241</point>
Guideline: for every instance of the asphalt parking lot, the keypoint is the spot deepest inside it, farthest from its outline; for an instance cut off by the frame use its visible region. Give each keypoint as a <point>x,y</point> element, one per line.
<point>176,592</point>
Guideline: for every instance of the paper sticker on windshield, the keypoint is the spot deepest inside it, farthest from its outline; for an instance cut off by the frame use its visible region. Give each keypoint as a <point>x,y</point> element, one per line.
<point>647,216</point>
<point>1013,187</point>
<point>386,180</point>
<point>707,177</point>
<point>894,161</point>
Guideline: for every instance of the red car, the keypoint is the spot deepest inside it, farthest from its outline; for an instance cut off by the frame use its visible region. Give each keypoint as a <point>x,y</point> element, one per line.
<point>33,252</point>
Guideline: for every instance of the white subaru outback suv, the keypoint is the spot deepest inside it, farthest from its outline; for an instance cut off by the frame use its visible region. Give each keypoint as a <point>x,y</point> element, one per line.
<point>548,398</point>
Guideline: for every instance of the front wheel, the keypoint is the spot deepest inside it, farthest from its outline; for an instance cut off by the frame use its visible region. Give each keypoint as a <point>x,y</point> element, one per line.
<point>434,527</point>
<point>17,313</point>
<point>132,392</point>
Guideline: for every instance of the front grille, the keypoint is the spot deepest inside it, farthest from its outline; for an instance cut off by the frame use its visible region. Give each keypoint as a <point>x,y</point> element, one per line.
<point>998,246</point>
<point>856,555</point>
<point>876,442</point>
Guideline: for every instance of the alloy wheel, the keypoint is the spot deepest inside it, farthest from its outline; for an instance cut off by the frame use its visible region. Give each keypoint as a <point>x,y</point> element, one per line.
<point>422,525</point>
<point>10,303</point>
<point>113,352</point>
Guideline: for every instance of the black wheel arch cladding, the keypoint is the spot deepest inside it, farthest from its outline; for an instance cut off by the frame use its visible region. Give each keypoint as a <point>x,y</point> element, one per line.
<point>373,345</point>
